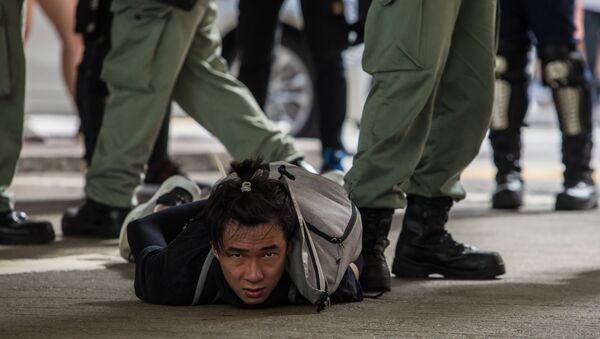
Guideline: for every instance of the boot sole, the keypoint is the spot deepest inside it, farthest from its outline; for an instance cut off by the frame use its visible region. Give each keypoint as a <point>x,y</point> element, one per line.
<point>507,201</point>
<point>565,203</point>
<point>406,268</point>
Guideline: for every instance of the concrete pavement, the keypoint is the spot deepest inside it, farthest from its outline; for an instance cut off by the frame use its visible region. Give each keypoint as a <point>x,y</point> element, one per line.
<point>552,289</point>
<point>78,287</point>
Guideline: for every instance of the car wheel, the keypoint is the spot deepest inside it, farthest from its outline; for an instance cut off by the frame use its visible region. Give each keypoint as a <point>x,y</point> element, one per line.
<point>291,96</point>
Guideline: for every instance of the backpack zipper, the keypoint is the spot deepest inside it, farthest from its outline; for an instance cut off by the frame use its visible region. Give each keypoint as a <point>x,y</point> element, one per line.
<point>336,240</point>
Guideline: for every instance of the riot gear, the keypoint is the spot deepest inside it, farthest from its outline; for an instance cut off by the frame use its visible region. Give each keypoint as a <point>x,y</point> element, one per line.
<point>566,73</point>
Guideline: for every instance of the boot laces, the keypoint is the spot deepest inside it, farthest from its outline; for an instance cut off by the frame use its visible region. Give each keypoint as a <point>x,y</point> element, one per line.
<point>437,219</point>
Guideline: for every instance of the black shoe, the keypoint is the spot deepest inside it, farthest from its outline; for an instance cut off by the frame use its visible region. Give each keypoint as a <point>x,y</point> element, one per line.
<point>160,171</point>
<point>375,276</point>
<point>509,192</point>
<point>580,195</point>
<point>17,229</point>
<point>425,247</point>
<point>94,219</point>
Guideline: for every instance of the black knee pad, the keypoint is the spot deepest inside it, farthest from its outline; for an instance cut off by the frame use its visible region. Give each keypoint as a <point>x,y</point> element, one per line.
<point>563,66</point>
<point>510,99</point>
<point>565,71</point>
<point>511,62</point>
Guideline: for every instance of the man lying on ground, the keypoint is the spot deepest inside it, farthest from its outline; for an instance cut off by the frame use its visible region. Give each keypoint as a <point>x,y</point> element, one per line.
<point>247,224</point>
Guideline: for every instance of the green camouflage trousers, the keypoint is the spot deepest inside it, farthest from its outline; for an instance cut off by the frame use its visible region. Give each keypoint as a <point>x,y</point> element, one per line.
<point>12,94</point>
<point>432,63</point>
<point>161,53</point>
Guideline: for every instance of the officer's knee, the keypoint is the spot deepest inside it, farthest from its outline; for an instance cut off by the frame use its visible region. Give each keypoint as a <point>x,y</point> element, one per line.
<point>566,72</point>
<point>511,62</point>
<point>563,66</point>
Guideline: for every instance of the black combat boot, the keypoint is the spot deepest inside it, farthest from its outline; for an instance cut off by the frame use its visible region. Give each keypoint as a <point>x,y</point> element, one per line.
<point>509,183</point>
<point>425,247</point>
<point>94,219</point>
<point>579,189</point>
<point>17,229</point>
<point>376,222</point>
<point>509,191</point>
<point>579,195</point>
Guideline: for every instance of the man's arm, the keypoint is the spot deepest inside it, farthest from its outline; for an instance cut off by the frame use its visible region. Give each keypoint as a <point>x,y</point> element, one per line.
<point>168,274</point>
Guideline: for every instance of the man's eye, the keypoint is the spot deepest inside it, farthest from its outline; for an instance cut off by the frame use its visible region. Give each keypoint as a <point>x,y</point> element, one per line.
<point>236,255</point>
<point>270,254</point>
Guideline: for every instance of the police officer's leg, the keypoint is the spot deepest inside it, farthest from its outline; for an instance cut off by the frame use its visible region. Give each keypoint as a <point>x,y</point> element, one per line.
<point>160,166</point>
<point>510,105</point>
<point>15,228</point>
<point>91,92</point>
<point>149,44</point>
<point>12,93</point>
<point>406,66</point>
<point>565,71</point>
<point>222,104</point>
<point>327,35</point>
<point>255,37</point>
<point>461,117</point>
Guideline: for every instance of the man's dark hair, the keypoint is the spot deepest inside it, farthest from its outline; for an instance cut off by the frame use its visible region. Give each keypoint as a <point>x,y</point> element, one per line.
<point>250,199</point>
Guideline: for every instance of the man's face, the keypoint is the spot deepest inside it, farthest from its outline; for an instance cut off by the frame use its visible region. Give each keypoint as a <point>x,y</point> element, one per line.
<point>252,260</point>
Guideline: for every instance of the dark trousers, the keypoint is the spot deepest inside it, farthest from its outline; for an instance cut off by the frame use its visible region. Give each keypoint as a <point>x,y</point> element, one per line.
<point>549,25</point>
<point>592,28</point>
<point>541,22</point>
<point>92,93</point>
<point>327,35</point>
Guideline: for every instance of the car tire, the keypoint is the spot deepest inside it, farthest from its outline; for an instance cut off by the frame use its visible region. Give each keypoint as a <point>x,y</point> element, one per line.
<point>290,102</point>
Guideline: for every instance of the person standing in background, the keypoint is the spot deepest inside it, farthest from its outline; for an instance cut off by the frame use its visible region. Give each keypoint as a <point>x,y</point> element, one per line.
<point>326,32</point>
<point>61,14</point>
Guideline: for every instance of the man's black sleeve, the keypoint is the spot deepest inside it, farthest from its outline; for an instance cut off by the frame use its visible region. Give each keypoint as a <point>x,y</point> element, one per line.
<point>169,275</point>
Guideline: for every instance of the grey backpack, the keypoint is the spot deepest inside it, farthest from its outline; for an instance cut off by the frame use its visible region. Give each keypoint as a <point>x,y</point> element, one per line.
<point>329,237</point>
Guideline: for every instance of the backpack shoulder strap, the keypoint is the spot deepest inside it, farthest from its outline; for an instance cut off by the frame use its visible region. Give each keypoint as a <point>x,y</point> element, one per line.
<point>202,279</point>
